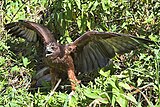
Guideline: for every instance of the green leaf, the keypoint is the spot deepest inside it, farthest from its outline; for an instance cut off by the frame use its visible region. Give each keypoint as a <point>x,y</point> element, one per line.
<point>130,97</point>
<point>78,2</point>
<point>15,68</point>
<point>149,19</point>
<point>72,102</point>
<point>89,25</point>
<point>139,104</point>
<point>25,61</point>
<point>121,100</point>
<point>124,85</point>
<point>79,23</point>
<point>104,3</point>
<point>3,46</point>
<point>91,95</point>
<point>2,60</point>
<point>105,74</point>
<point>139,82</point>
<point>121,76</point>
<point>94,6</point>
<point>104,101</point>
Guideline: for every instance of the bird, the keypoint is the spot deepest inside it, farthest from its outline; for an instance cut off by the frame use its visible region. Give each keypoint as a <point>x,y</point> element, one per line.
<point>88,53</point>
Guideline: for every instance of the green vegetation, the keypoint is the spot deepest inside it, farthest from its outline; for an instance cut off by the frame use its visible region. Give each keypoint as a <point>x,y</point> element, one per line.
<point>134,79</point>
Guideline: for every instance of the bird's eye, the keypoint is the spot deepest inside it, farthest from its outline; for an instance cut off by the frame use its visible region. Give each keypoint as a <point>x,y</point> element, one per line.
<point>54,47</point>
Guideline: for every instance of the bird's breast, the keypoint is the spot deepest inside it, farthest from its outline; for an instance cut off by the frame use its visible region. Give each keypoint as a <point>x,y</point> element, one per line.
<point>60,64</point>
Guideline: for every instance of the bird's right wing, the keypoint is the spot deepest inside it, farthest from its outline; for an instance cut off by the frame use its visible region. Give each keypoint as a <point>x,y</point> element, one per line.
<point>29,31</point>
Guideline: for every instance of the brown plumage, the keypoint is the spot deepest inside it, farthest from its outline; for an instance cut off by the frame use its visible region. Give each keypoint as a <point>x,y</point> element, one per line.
<point>87,53</point>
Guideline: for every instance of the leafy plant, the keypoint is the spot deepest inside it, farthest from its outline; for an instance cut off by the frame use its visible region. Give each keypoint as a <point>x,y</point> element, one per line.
<point>132,80</point>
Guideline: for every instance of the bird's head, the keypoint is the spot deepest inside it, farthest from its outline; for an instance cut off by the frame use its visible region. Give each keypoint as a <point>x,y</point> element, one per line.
<point>52,50</point>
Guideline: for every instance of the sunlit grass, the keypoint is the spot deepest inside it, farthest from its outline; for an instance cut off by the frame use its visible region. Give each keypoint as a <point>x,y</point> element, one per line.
<point>133,80</point>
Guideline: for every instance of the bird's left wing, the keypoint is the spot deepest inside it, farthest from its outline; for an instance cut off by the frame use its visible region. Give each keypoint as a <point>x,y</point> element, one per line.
<point>94,49</point>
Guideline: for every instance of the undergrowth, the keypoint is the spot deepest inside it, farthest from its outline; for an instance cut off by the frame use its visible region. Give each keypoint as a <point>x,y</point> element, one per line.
<point>132,80</point>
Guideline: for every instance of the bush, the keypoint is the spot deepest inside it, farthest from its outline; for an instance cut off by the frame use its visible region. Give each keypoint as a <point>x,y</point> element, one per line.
<point>133,79</point>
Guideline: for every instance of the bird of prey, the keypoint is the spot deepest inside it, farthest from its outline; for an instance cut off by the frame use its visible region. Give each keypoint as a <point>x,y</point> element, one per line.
<point>87,53</point>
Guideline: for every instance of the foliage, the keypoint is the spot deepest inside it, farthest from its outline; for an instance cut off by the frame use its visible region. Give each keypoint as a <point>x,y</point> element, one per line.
<point>134,77</point>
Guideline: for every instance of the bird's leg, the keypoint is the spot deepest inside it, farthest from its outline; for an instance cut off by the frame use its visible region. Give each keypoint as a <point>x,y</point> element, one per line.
<point>74,81</point>
<point>71,74</point>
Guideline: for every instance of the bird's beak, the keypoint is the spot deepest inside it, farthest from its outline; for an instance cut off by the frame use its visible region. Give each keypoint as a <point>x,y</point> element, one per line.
<point>48,55</point>
<point>48,51</point>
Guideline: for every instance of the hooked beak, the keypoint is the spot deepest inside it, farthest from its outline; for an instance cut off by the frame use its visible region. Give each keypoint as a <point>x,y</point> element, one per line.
<point>48,54</point>
<point>48,51</point>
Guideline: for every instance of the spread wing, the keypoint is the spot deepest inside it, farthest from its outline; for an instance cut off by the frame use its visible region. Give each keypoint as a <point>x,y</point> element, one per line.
<point>29,31</point>
<point>94,49</point>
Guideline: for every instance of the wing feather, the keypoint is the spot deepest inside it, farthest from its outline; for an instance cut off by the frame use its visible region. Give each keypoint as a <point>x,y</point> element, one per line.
<point>101,58</point>
<point>98,47</point>
<point>29,31</point>
<point>92,55</point>
<point>84,63</point>
<point>87,58</point>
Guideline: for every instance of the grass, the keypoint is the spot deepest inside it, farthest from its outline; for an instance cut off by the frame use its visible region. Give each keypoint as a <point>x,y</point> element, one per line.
<point>132,79</point>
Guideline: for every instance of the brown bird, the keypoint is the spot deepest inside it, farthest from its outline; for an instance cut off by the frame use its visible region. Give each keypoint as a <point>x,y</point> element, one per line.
<point>87,53</point>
